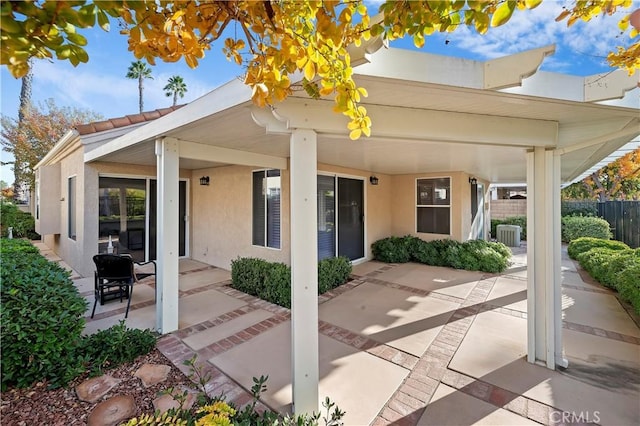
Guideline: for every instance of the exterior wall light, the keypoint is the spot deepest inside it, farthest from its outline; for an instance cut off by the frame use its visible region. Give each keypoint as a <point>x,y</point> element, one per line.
<point>204,180</point>
<point>373,180</point>
<point>473,181</point>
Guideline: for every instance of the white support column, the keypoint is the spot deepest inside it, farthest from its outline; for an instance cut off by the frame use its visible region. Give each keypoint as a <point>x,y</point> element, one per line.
<point>544,292</point>
<point>167,235</point>
<point>304,271</point>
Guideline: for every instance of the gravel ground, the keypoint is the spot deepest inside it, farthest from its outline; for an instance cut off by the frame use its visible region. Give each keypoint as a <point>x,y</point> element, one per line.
<point>38,406</point>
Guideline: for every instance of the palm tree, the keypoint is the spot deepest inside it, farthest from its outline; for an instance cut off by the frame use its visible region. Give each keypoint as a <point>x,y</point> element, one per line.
<point>175,86</point>
<point>139,70</point>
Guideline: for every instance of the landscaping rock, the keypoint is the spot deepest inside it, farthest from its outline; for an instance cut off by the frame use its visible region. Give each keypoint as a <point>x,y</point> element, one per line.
<point>150,374</point>
<point>166,402</point>
<point>113,411</point>
<point>93,389</point>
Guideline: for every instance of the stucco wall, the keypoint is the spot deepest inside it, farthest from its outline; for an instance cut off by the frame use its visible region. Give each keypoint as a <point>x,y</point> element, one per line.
<point>221,217</point>
<point>222,214</point>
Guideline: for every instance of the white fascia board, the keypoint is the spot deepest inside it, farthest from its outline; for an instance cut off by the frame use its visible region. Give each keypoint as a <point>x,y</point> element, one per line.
<point>224,97</point>
<point>66,140</point>
<point>551,85</point>
<point>509,71</point>
<point>402,64</point>
<point>106,135</point>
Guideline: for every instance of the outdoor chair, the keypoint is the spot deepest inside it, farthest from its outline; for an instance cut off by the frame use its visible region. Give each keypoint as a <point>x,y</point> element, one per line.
<point>114,278</point>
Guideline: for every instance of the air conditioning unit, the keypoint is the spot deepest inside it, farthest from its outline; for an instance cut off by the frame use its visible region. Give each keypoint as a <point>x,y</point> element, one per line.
<point>509,235</point>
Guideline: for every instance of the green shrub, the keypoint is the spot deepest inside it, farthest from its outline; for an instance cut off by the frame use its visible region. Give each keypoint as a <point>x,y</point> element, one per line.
<point>628,281</point>
<point>584,244</point>
<point>574,227</point>
<point>394,249</point>
<point>17,247</point>
<point>23,223</point>
<point>473,255</point>
<point>579,208</point>
<point>521,221</point>
<point>42,319</point>
<point>115,346</point>
<point>619,261</point>
<point>596,262</point>
<point>272,281</point>
<point>333,272</point>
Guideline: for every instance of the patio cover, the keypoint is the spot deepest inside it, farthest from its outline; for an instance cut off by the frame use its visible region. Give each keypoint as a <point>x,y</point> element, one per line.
<point>501,120</point>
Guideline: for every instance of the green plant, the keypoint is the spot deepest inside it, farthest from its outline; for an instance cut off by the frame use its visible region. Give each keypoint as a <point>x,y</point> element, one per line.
<point>620,260</point>
<point>23,223</point>
<point>393,249</point>
<point>115,346</point>
<point>574,227</point>
<point>628,281</point>
<point>272,281</point>
<point>596,262</point>
<point>42,319</point>
<point>17,247</point>
<point>333,272</point>
<point>583,244</point>
<point>579,208</point>
<point>473,255</point>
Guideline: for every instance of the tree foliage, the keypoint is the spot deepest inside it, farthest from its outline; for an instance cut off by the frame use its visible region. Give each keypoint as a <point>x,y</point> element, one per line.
<point>175,87</point>
<point>617,180</point>
<point>272,40</point>
<point>30,140</point>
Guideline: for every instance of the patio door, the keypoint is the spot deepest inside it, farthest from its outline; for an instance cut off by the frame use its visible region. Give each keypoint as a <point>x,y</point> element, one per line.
<point>340,217</point>
<point>153,218</point>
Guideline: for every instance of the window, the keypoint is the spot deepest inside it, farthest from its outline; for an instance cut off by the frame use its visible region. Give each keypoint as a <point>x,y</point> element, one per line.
<point>266,208</point>
<point>433,205</point>
<point>71,199</point>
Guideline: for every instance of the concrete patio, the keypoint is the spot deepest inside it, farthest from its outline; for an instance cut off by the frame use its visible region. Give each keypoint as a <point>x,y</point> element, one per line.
<point>409,344</point>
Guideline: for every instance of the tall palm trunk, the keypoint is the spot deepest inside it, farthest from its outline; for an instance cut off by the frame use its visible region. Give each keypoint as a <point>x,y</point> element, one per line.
<point>25,92</point>
<point>140,89</point>
<point>175,98</point>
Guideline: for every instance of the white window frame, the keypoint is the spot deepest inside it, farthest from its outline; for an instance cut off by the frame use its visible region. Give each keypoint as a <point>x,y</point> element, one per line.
<point>417,206</point>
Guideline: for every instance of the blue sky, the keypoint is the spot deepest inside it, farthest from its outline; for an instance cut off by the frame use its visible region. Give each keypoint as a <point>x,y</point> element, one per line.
<point>100,85</point>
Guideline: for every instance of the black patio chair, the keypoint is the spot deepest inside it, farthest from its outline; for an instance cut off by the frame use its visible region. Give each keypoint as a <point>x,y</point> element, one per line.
<point>114,278</point>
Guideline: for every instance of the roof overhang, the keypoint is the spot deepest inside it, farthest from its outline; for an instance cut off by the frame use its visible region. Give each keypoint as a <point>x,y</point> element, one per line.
<point>430,114</point>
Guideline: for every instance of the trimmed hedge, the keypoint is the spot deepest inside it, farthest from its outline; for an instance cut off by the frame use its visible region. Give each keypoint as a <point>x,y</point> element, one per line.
<point>574,227</point>
<point>521,221</point>
<point>473,255</point>
<point>583,244</point>
<point>616,268</point>
<point>23,223</point>
<point>42,318</point>
<point>272,281</point>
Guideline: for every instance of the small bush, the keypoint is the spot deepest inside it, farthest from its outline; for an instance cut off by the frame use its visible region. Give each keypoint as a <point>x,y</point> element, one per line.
<point>17,247</point>
<point>620,260</point>
<point>115,346</point>
<point>23,223</point>
<point>596,262</point>
<point>473,255</point>
<point>579,208</point>
<point>628,281</point>
<point>42,319</point>
<point>584,244</point>
<point>272,281</point>
<point>333,272</point>
<point>521,221</point>
<point>394,249</point>
<point>574,227</point>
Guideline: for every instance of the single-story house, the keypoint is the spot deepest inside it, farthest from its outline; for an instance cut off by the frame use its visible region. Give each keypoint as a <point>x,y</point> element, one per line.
<point>220,178</point>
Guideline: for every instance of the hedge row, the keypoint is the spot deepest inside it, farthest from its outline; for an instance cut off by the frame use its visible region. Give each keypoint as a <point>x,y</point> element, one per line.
<point>473,255</point>
<point>572,227</point>
<point>612,263</point>
<point>272,281</point>
<point>42,316</point>
<point>23,223</point>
